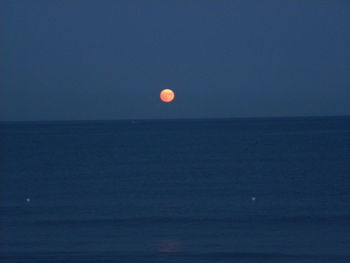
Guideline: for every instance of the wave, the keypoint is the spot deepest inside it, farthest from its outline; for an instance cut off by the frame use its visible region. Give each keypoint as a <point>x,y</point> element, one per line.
<point>338,219</point>
<point>135,257</point>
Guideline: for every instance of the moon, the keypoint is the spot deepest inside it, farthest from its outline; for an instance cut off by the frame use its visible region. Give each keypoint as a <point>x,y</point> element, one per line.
<point>167,95</point>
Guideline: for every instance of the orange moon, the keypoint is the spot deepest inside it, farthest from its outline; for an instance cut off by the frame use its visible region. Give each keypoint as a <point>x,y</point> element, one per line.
<point>167,95</point>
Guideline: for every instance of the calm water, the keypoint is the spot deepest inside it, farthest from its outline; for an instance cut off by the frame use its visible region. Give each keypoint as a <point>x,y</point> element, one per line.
<point>249,190</point>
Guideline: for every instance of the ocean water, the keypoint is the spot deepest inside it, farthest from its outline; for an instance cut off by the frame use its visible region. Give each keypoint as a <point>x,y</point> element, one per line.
<point>235,190</point>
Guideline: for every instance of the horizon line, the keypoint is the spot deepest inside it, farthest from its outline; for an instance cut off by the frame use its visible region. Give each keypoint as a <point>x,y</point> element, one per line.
<point>178,119</point>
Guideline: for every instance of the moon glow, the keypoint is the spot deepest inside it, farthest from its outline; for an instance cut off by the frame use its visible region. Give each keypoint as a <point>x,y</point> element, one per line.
<point>167,95</point>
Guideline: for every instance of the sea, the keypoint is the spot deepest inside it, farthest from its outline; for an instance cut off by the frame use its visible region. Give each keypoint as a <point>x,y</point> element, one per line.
<point>248,190</point>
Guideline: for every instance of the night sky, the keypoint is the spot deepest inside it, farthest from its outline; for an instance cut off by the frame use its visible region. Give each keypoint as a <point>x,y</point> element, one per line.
<point>98,60</point>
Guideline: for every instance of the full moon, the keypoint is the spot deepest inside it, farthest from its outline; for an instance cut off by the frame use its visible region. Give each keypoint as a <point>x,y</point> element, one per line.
<point>167,95</point>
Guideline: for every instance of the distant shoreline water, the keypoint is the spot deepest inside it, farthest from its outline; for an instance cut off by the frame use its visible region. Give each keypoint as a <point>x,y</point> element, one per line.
<point>182,119</point>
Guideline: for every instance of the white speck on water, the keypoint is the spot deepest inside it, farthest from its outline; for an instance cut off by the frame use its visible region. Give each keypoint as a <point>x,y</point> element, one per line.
<point>253,198</point>
<point>27,200</point>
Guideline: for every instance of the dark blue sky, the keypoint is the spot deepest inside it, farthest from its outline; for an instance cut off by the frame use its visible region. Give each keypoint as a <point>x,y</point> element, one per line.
<point>64,60</point>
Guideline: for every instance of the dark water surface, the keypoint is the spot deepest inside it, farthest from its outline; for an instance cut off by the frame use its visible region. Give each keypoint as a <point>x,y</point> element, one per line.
<point>240,190</point>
